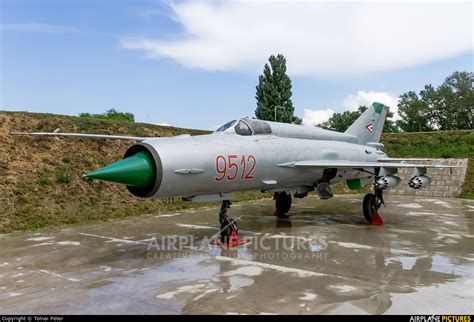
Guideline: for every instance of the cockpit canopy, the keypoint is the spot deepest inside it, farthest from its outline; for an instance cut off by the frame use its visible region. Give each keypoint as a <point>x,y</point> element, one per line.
<point>245,127</point>
<point>226,126</point>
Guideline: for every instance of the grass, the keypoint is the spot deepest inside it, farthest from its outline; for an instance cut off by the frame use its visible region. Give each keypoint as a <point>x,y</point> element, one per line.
<point>43,179</point>
<point>41,183</point>
<point>63,177</point>
<point>442,144</point>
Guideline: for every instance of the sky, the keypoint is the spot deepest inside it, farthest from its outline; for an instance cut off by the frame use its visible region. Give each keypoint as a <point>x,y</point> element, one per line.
<point>195,64</point>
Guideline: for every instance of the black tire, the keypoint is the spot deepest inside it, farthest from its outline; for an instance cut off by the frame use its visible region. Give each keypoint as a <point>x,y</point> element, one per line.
<point>368,206</point>
<point>283,203</point>
<point>227,227</point>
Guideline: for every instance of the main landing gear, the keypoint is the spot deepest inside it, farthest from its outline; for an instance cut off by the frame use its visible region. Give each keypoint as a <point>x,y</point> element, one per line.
<point>229,230</point>
<point>282,204</point>
<point>371,205</point>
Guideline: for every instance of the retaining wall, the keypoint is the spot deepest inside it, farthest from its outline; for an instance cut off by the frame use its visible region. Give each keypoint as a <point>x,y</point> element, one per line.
<point>445,183</point>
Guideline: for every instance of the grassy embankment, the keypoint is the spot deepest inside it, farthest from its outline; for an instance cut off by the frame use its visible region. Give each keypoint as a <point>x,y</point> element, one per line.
<point>443,144</point>
<point>41,183</point>
<point>41,180</point>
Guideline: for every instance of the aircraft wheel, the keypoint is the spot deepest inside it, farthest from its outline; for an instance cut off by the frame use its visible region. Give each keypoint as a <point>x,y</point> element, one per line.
<point>283,204</point>
<point>369,206</point>
<point>228,227</point>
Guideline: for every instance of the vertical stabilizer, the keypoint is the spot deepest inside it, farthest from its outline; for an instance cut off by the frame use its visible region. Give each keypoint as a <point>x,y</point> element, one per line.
<point>369,126</point>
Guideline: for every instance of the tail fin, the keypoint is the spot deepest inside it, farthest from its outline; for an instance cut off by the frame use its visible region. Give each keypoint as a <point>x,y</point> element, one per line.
<point>369,126</point>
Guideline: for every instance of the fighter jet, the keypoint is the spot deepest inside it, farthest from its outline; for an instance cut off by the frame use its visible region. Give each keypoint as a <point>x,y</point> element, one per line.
<point>250,154</point>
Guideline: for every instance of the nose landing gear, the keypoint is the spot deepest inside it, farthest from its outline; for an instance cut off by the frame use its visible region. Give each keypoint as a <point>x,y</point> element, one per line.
<point>228,234</point>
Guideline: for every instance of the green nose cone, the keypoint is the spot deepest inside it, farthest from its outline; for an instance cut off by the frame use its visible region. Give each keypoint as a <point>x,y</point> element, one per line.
<point>137,170</point>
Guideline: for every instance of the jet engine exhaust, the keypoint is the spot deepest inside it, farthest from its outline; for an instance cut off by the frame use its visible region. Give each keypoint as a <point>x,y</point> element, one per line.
<point>419,182</point>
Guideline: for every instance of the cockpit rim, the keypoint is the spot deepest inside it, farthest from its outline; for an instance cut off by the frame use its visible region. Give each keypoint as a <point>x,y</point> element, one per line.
<point>256,127</point>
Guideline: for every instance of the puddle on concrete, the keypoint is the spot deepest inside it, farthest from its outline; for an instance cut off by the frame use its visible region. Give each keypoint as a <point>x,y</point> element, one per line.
<point>324,259</point>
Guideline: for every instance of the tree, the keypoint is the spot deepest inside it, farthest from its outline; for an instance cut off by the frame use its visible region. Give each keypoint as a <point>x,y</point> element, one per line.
<point>274,93</point>
<point>340,122</point>
<point>448,107</point>
<point>455,105</point>
<point>119,116</point>
<point>414,113</point>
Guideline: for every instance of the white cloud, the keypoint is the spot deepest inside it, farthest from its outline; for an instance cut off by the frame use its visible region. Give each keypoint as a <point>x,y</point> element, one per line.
<point>315,117</point>
<point>38,27</point>
<point>316,37</point>
<point>352,102</point>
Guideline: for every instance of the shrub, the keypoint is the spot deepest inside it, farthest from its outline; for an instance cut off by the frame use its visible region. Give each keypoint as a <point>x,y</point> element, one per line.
<point>111,114</point>
<point>42,180</point>
<point>63,177</point>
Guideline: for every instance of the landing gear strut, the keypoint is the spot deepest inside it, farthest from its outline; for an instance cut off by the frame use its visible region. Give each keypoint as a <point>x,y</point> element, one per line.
<point>371,205</point>
<point>229,230</point>
<point>282,204</point>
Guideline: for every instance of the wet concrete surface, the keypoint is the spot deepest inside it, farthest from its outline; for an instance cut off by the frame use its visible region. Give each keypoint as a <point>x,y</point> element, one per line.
<point>323,260</point>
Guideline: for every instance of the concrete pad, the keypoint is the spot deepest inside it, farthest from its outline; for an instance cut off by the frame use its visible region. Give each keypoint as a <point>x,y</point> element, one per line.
<point>323,260</point>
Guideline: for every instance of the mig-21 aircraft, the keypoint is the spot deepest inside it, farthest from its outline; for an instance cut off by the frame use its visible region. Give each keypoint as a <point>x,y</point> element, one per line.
<point>251,154</point>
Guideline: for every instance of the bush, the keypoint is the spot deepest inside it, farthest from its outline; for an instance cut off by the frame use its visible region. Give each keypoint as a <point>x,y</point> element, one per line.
<point>111,114</point>
<point>87,163</point>
<point>63,177</point>
<point>43,180</point>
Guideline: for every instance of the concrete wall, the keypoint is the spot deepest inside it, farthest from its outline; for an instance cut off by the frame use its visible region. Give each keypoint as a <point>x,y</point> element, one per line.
<point>444,184</point>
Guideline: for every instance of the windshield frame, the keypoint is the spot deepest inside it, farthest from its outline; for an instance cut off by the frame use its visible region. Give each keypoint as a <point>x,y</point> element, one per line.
<point>226,126</point>
<point>252,132</point>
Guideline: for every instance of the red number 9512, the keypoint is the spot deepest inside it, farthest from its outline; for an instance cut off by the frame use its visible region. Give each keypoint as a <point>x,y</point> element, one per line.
<point>232,166</point>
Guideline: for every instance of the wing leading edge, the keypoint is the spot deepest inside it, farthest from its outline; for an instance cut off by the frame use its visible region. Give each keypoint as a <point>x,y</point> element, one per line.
<point>84,135</point>
<point>358,165</point>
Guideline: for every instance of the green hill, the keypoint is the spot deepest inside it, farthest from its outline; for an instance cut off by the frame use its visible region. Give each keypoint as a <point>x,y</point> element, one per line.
<point>441,144</point>
<point>41,180</point>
